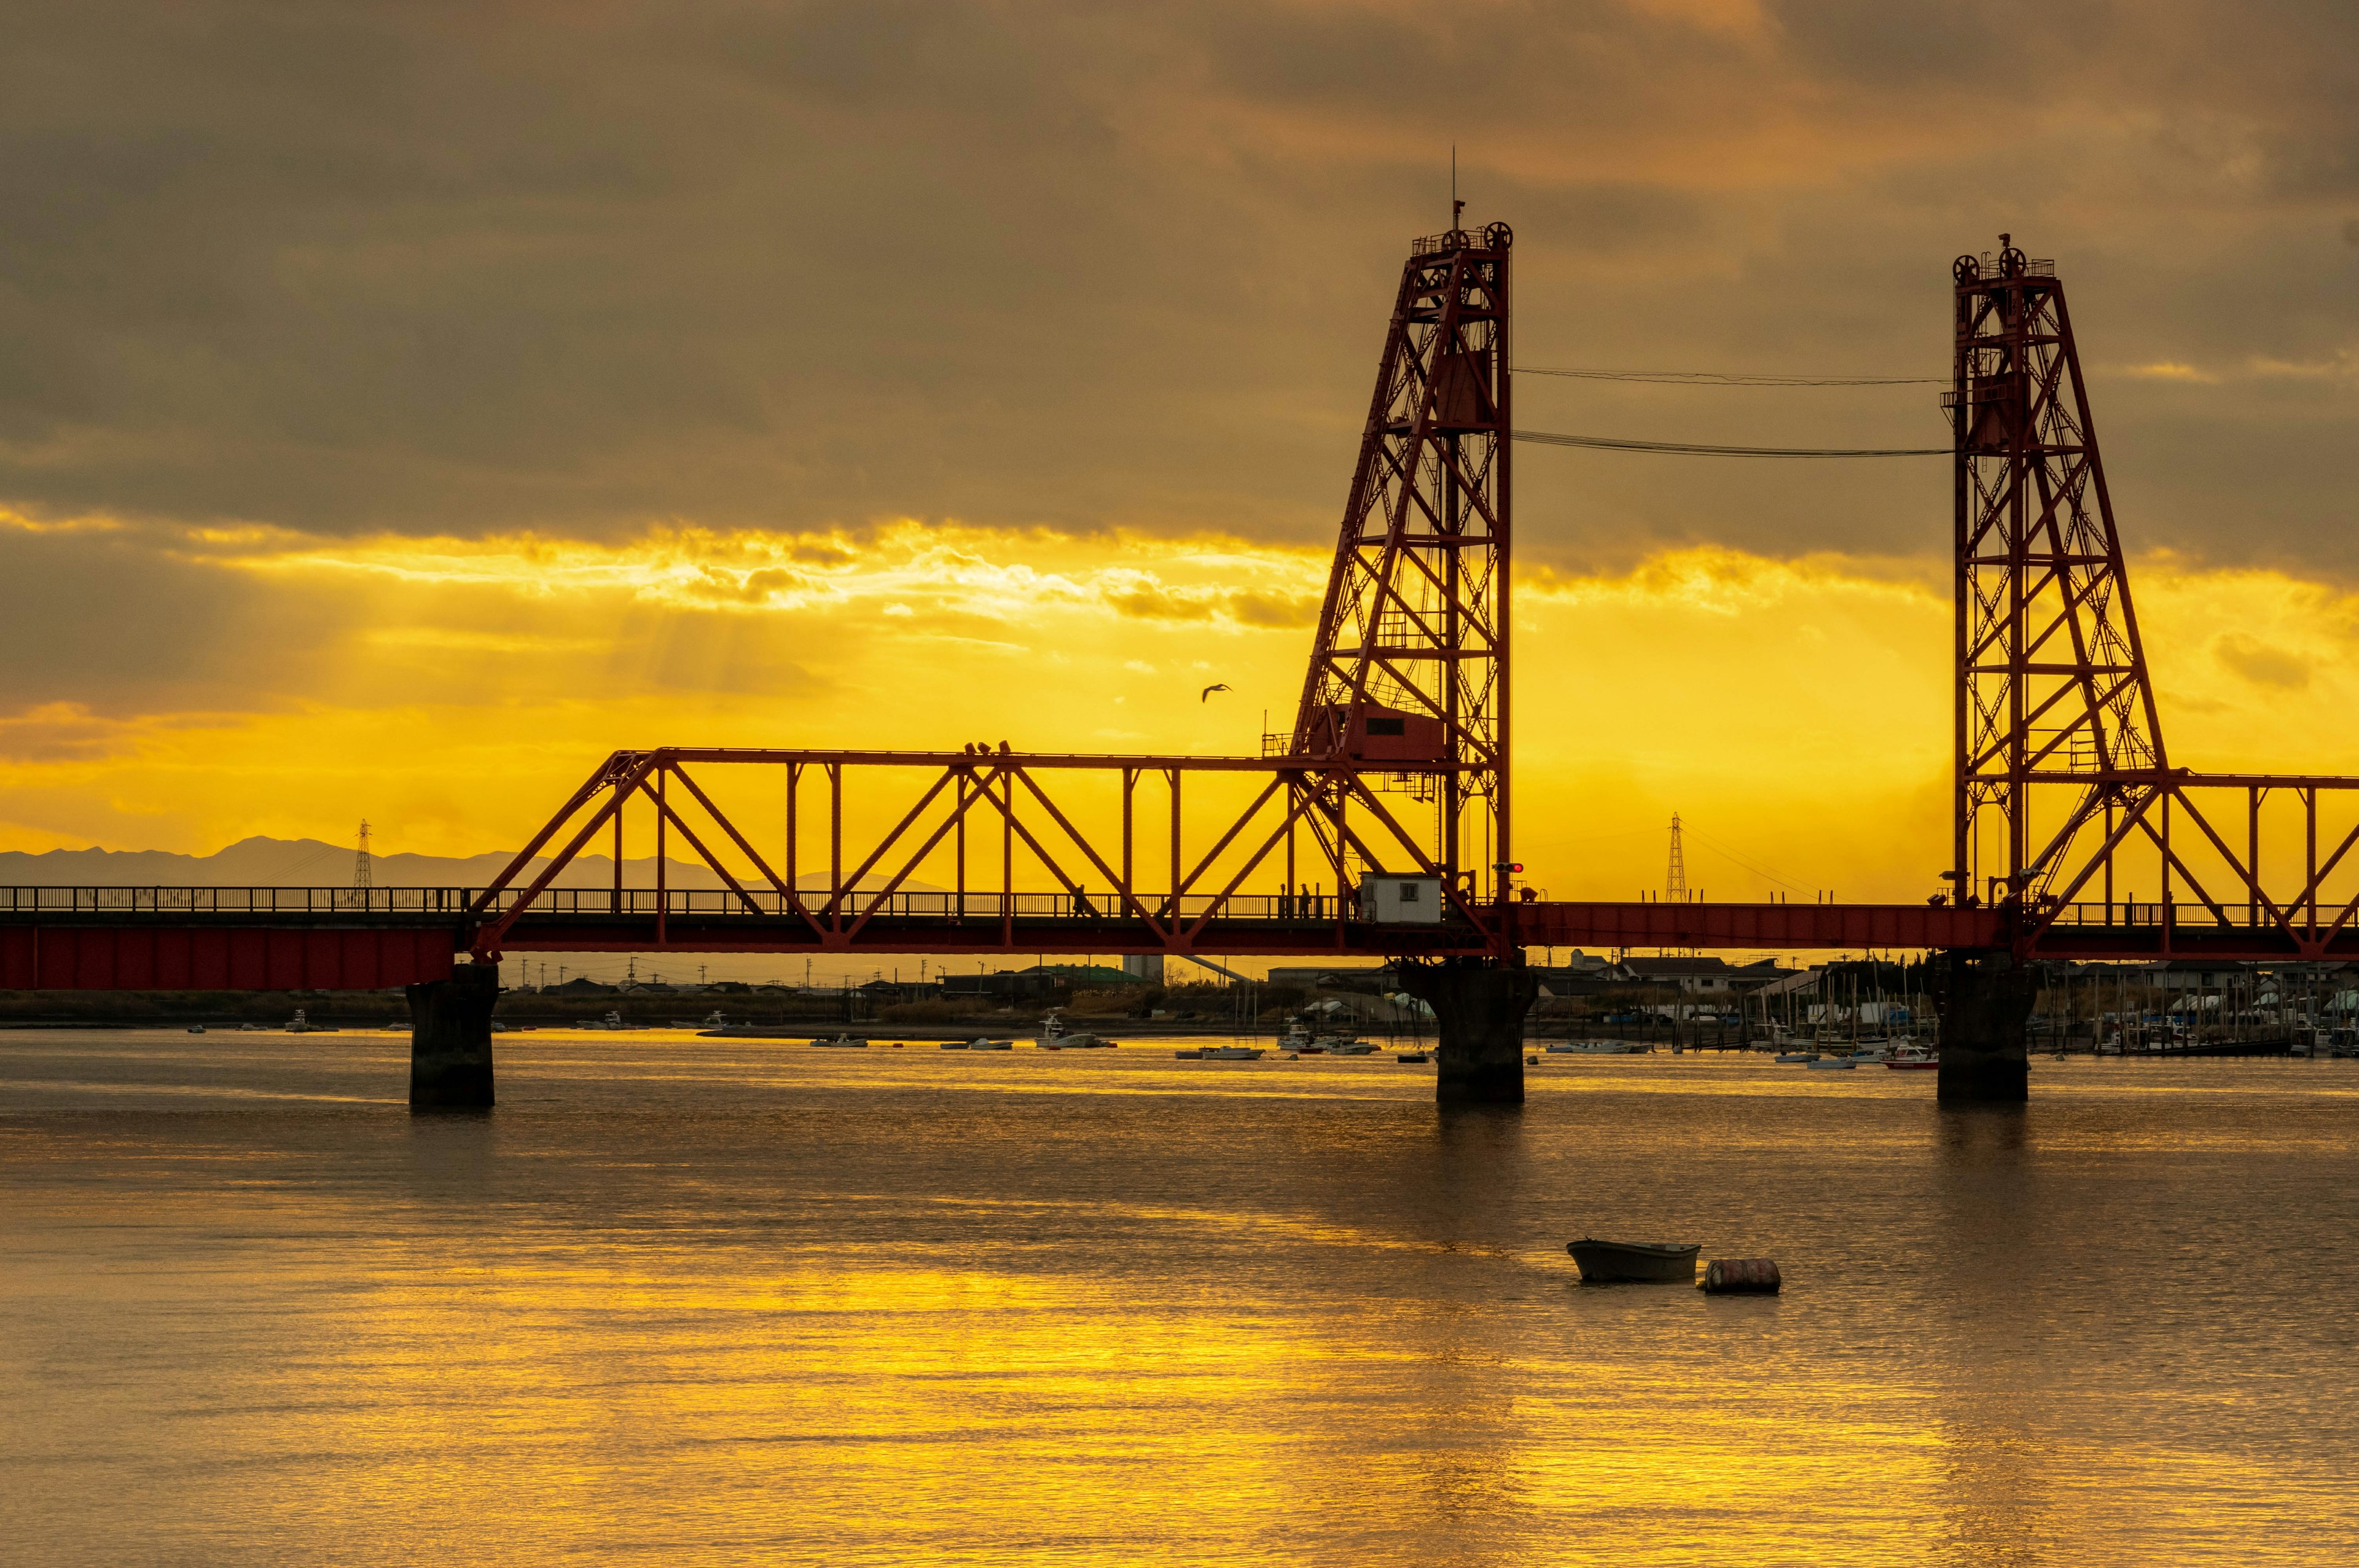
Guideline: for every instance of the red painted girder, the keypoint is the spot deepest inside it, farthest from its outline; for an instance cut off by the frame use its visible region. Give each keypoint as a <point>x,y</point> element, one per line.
<point>978,936</point>
<point>160,955</point>
<point>1755,927</point>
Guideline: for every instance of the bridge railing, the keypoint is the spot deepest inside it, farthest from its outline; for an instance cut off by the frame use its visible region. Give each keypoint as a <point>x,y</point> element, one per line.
<point>696,902</point>
<point>1089,905</point>
<point>232,901</point>
<point>2120,914</point>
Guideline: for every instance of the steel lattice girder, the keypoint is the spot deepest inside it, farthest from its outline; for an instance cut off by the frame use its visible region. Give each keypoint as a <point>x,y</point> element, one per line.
<point>1300,817</point>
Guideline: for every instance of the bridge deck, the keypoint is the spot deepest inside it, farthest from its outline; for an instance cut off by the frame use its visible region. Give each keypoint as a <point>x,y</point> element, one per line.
<point>275,938</point>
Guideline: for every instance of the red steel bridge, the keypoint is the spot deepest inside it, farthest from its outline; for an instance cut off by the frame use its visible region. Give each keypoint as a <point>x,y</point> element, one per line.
<point>1381,822</point>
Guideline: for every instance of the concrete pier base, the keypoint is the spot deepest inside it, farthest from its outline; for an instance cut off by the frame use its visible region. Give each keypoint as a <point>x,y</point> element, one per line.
<point>451,1039</point>
<point>1985,1000</point>
<point>1478,1009</point>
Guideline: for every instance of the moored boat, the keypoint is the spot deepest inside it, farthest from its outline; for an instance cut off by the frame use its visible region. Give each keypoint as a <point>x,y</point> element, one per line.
<point>1817,1062</point>
<point>1913,1057</point>
<point>1798,1056</point>
<point>1054,1036</point>
<point>1606,1260</point>
<point>843,1043</point>
<point>1231,1053</point>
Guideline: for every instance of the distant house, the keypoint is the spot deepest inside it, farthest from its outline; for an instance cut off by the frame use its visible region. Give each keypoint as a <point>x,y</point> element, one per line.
<point>1701,976</point>
<point>581,986</point>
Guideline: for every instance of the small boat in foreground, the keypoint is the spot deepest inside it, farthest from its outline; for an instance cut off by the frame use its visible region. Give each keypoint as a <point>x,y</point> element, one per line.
<point>1231,1053</point>
<point>1913,1056</point>
<point>841,1042</point>
<point>1604,1260</point>
<point>1817,1062</point>
<point>1412,1057</point>
<point>1798,1056</point>
<point>982,1045</point>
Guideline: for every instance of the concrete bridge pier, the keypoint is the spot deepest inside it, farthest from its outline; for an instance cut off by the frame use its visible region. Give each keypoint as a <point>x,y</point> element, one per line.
<point>1985,1000</point>
<point>451,1039</point>
<point>1478,1009</point>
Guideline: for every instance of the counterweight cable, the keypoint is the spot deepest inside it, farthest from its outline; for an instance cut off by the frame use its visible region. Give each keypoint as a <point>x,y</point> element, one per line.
<point>1731,378</point>
<point>1704,450</point>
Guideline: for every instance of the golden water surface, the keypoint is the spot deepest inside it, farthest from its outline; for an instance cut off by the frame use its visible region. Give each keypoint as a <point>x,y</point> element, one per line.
<point>703,1301</point>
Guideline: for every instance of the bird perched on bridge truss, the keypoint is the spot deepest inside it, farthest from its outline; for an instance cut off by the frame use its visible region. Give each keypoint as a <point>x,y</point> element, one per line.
<point>1207,695</point>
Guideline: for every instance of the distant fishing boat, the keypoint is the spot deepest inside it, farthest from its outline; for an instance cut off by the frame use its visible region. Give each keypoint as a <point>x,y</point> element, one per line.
<point>991,1044</point>
<point>1231,1053</point>
<point>299,1024</point>
<point>841,1042</point>
<point>1913,1058</point>
<point>1842,1062</point>
<point>1798,1056</point>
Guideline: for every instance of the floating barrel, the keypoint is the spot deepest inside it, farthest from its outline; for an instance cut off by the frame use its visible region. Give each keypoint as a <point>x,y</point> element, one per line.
<point>1742,1277</point>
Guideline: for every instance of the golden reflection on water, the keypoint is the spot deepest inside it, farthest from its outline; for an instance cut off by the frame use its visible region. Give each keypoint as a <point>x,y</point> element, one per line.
<point>682,1304</point>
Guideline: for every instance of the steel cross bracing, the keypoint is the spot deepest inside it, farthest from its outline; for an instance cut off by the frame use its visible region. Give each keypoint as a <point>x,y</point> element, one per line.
<point>2064,787</point>
<point>1410,663</point>
<point>976,850</point>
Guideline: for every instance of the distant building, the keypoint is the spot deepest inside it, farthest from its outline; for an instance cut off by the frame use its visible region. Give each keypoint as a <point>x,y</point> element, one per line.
<point>1004,986</point>
<point>1701,976</point>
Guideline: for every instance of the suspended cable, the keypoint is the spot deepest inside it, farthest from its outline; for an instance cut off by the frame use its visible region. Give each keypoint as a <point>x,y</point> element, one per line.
<point>1732,378</point>
<point>1716,846</point>
<point>1698,449</point>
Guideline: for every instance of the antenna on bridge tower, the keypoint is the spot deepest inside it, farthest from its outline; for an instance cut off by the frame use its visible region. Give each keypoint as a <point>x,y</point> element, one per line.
<point>2053,698</point>
<point>1674,880</point>
<point>361,857</point>
<point>1407,681</point>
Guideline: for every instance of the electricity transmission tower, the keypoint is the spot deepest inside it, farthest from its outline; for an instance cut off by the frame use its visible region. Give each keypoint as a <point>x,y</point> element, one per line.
<point>361,861</point>
<point>1674,880</point>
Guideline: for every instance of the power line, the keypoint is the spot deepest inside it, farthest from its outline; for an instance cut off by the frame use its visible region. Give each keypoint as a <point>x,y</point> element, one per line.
<point>1704,450</point>
<point>1731,378</point>
<point>1763,872</point>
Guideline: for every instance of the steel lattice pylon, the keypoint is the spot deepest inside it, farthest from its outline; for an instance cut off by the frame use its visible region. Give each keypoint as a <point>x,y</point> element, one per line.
<point>2052,692</point>
<point>2063,786</point>
<point>1410,663</point>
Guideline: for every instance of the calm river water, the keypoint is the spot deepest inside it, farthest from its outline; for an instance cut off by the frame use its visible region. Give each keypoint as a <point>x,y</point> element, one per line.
<point>689,1301</point>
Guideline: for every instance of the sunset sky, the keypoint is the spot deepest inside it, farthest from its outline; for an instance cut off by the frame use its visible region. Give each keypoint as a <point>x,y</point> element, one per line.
<point>403,405</point>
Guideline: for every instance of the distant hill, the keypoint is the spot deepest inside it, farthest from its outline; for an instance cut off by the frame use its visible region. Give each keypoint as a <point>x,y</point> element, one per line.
<point>307,862</point>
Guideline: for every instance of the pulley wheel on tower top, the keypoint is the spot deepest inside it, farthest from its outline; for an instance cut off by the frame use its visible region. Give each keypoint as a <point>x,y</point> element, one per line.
<point>1497,237</point>
<point>1965,269</point>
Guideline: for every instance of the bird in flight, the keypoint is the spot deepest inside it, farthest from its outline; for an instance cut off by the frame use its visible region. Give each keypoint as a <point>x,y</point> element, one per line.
<point>1209,690</point>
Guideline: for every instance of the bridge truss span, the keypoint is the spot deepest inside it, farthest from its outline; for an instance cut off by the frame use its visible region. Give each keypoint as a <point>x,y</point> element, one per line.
<point>981,850</point>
